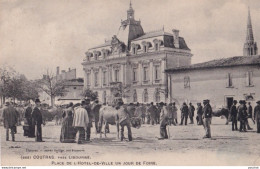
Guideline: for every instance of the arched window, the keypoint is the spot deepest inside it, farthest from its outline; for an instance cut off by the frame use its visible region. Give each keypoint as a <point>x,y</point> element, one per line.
<point>135,96</point>
<point>157,96</point>
<point>145,96</point>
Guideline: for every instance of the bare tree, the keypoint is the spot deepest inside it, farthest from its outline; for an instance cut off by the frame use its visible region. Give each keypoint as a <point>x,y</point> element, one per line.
<point>52,86</point>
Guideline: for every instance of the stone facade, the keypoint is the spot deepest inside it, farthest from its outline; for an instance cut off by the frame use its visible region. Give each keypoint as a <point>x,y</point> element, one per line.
<point>221,84</point>
<point>137,60</point>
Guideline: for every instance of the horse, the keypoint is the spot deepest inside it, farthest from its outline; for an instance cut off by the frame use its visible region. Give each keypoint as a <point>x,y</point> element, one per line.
<point>108,115</point>
<point>221,112</point>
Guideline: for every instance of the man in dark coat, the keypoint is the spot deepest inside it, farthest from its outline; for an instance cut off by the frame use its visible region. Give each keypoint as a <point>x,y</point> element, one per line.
<point>10,120</point>
<point>199,114</point>
<point>191,113</point>
<point>250,112</point>
<point>37,120</point>
<point>207,114</point>
<point>90,117</point>
<point>233,114</point>
<point>257,115</point>
<point>242,115</point>
<point>95,110</point>
<point>152,110</point>
<point>184,113</point>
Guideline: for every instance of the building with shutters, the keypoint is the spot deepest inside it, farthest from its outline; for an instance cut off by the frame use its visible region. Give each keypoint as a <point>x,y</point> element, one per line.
<point>136,59</point>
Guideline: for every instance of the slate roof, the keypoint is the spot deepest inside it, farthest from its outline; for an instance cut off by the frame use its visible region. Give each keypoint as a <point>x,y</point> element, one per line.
<point>107,43</point>
<point>152,34</point>
<point>219,63</point>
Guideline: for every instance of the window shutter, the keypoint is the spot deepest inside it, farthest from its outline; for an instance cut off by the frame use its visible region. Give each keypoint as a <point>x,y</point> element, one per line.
<point>251,78</point>
<point>247,79</point>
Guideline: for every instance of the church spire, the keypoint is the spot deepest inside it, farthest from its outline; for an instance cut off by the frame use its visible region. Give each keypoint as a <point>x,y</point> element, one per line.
<point>250,46</point>
<point>130,11</point>
<point>249,36</point>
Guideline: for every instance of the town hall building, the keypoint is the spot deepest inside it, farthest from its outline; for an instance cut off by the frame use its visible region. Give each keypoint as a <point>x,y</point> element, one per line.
<point>137,60</point>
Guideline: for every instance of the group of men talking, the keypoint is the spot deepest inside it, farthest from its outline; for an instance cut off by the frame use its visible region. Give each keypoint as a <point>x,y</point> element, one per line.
<point>243,113</point>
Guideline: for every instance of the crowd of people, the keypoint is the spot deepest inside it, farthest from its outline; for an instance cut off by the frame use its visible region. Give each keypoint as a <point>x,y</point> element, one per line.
<point>77,119</point>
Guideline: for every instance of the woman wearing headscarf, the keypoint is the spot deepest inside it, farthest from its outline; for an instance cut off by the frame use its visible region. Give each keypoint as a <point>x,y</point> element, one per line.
<point>67,130</point>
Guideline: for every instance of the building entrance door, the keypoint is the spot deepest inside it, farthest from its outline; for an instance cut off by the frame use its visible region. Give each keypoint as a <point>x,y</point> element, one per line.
<point>229,102</point>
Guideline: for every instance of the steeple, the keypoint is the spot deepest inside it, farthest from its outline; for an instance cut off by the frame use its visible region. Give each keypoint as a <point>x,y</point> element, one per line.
<point>130,12</point>
<point>249,36</point>
<point>250,46</point>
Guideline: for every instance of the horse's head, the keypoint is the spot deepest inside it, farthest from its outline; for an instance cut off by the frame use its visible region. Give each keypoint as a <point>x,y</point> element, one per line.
<point>136,122</point>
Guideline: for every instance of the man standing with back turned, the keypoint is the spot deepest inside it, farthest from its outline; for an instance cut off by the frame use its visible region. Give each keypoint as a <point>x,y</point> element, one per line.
<point>10,120</point>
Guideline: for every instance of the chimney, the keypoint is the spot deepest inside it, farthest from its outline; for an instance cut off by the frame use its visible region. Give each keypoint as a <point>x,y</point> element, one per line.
<point>58,70</point>
<point>176,38</point>
<point>69,69</point>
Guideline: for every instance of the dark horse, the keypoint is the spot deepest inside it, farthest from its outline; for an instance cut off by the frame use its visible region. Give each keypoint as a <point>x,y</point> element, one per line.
<point>221,112</point>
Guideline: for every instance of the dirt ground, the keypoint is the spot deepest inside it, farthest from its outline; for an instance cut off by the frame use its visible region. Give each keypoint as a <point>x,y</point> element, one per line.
<point>185,147</point>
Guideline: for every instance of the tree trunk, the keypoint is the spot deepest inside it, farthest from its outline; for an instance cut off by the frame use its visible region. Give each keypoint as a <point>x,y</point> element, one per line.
<point>52,101</point>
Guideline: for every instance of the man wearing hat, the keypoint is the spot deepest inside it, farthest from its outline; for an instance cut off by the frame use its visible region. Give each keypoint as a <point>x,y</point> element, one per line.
<point>191,113</point>
<point>95,107</point>
<point>10,119</point>
<point>207,114</point>
<point>233,114</point>
<point>164,121</point>
<point>199,114</point>
<point>90,117</point>
<point>123,119</point>
<point>80,121</point>
<point>250,112</point>
<point>37,120</point>
<point>152,111</point>
<point>242,115</point>
<point>257,115</point>
<point>184,113</point>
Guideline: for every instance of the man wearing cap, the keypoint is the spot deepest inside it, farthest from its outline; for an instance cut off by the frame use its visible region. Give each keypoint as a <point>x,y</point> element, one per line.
<point>37,120</point>
<point>257,115</point>
<point>80,121</point>
<point>207,114</point>
<point>184,113</point>
<point>123,119</point>
<point>233,113</point>
<point>199,113</point>
<point>191,113</point>
<point>10,120</point>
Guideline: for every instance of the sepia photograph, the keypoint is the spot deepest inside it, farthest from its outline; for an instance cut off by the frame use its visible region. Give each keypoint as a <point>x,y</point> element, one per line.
<point>129,83</point>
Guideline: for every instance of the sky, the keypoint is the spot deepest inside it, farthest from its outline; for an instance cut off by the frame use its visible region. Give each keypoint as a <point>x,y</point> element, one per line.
<point>38,35</point>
